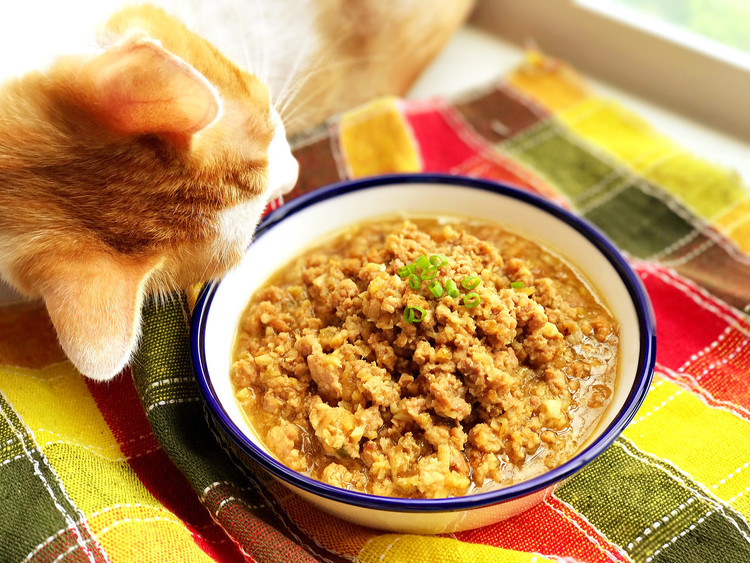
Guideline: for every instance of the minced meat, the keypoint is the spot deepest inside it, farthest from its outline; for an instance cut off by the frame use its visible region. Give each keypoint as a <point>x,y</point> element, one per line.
<point>341,386</point>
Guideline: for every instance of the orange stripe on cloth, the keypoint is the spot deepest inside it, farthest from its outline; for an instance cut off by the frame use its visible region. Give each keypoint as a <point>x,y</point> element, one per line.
<point>376,139</point>
<point>416,549</point>
<point>551,83</point>
<point>339,536</point>
<point>27,338</point>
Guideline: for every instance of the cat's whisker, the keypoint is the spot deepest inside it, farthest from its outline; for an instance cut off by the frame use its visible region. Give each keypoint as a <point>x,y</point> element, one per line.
<point>243,39</point>
<point>257,63</point>
<point>321,67</point>
<point>286,86</point>
<point>296,105</point>
<point>315,66</point>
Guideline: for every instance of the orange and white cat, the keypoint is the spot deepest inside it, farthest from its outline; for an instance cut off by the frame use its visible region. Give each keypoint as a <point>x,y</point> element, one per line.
<point>138,159</point>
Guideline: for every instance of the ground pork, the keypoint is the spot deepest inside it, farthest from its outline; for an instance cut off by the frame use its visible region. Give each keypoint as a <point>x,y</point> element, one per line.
<point>343,386</point>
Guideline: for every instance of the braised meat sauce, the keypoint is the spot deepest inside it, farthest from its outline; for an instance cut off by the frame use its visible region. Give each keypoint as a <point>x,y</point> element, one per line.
<point>341,384</point>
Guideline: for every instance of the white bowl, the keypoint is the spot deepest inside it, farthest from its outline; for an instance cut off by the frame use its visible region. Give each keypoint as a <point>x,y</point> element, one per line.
<point>296,225</point>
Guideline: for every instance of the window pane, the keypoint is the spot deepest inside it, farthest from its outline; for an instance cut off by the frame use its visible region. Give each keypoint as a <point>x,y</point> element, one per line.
<point>725,21</point>
<point>718,28</point>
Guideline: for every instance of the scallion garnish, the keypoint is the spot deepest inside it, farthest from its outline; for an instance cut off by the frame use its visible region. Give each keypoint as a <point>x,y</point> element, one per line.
<point>517,284</point>
<point>414,314</point>
<point>422,262</point>
<point>470,282</point>
<point>414,281</point>
<point>451,289</point>
<point>472,299</point>
<point>435,288</point>
<point>404,272</point>
<point>438,260</point>
<point>429,273</point>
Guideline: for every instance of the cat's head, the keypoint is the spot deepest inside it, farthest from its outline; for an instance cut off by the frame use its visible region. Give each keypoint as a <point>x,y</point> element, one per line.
<point>138,169</point>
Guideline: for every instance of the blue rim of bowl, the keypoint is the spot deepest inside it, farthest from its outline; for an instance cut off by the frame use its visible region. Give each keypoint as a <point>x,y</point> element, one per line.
<point>641,385</point>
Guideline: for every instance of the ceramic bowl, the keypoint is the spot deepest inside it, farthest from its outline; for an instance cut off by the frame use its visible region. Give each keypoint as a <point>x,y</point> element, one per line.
<point>286,232</point>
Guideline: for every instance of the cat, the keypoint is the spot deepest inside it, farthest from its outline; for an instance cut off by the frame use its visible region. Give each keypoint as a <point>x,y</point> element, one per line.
<point>141,162</point>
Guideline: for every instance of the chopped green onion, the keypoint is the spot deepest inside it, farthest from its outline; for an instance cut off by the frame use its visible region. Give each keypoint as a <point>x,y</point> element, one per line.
<point>438,260</point>
<point>422,262</point>
<point>517,284</point>
<point>470,282</point>
<point>414,314</point>
<point>435,288</point>
<point>404,272</point>
<point>471,300</point>
<point>451,289</point>
<point>414,281</point>
<point>429,273</point>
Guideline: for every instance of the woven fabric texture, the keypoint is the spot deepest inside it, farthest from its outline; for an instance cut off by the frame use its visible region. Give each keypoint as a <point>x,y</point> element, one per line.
<point>133,470</point>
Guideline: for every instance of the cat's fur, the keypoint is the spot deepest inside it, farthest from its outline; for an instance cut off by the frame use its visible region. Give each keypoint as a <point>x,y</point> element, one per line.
<point>141,164</point>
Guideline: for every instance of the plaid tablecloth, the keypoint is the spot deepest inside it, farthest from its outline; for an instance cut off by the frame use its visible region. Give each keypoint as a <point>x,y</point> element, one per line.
<point>131,471</point>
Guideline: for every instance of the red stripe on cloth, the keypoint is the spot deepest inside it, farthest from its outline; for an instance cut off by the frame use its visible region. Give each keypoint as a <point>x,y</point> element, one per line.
<point>703,343</point>
<point>122,411</point>
<point>687,322</point>
<point>551,528</point>
<point>449,144</point>
<point>121,408</point>
<point>443,143</point>
<point>723,373</point>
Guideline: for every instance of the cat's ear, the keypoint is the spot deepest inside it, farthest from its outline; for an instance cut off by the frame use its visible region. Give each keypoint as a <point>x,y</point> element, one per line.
<point>139,87</point>
<point>95,308</point>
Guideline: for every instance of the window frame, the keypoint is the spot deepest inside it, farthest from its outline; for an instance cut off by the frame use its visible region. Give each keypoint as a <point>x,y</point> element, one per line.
<point>671,72</point>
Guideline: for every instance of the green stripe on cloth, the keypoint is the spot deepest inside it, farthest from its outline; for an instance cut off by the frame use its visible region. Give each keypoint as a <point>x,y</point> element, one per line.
<point>704,187</point>
<point>639,218</point>
<point>36,505</point>
<point>639,222</point>
<point>565,164</point>
<point>644,505</point>
<point>177,416</point>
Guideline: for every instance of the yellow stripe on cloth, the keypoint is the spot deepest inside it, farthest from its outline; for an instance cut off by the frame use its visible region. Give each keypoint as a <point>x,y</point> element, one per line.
<point>675,425</point>
<point>56,405</point>
<point>618,131</point>
<point>704,187</point>
<point>376,139</point>
<point>416,549</point>
<point>144,533</point>
<point>550,82</point>
<point>735,224</point>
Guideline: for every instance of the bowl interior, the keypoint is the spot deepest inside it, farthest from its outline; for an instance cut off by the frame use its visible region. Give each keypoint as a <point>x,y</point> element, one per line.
<point>281,240</point>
